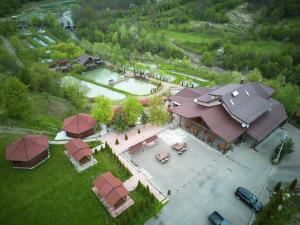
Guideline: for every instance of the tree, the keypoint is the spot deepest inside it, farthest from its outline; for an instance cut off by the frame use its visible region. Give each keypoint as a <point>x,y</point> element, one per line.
<point>103,110</point>
<point>254,76</point>
<point>117,142</point>
<point>144,118</point>
<point>157,113</point>
<point>120,124</point>
<point>132,109</point>
<point>14,97</point>
<point>76,92</point>
<point>293,185</point>
<point>126,137</point>
<point>40,78</point>
<point>277,188</point>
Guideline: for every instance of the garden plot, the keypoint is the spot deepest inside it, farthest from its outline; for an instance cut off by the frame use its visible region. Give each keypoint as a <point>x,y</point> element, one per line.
<point>40,42</point>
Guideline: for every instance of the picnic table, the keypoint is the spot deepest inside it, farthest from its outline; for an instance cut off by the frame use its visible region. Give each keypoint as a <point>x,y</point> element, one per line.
<point>179,147</point>
<point>162,157</point>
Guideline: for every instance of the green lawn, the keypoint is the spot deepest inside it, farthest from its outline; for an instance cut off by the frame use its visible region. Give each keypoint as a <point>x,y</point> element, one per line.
<point>54,193</point>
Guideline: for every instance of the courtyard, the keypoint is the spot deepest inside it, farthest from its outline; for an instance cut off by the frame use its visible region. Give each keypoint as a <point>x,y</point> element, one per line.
<point>202,180</point>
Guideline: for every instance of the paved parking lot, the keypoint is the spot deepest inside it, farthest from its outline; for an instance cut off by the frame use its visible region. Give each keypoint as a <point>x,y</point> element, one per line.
<point>202,180</point>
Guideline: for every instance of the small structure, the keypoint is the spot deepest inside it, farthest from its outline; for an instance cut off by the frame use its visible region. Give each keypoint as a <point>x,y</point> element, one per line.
<point>79,151</point>
<point>89,62</point>
<point>28,152</point>
<point>79,126</point>
<point>112,193</point>
<point>61,65</point>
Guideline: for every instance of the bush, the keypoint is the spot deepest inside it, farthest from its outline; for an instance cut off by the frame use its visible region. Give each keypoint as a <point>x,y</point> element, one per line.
<point>139,131</point>
<point>277,188</point>
<point>293,185</point>
<point>126,137</point>
<point>264,216</point>
<point>117,141</point>
<point>283,148</point>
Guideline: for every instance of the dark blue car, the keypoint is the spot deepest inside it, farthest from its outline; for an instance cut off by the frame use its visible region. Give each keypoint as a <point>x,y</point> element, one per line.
<point>249,198</point>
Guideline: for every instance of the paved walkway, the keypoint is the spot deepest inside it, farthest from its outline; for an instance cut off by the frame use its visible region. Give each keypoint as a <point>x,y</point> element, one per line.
<point>133,138</point>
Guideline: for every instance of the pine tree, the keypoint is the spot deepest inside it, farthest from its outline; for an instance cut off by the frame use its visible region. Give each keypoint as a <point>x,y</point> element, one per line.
<point>293,185</point>
<point>117,141</point>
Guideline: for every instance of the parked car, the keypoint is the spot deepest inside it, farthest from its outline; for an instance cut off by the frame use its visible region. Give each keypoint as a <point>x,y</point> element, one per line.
<point>216,219</point>
<point>249,198</point>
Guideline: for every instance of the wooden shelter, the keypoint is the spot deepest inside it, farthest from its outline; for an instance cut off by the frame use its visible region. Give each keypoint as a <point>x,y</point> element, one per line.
<point>79,150</point>
<point>28,152</point>
<point>79,126</point>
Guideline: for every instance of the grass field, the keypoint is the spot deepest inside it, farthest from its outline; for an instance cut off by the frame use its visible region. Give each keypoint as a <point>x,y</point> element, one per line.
<point>54,193</point>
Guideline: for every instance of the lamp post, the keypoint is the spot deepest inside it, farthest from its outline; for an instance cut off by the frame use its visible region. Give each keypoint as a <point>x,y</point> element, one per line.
<point>276,160</point>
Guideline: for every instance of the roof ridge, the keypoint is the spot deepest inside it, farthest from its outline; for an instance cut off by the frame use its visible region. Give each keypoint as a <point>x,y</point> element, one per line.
<point>15,149</point>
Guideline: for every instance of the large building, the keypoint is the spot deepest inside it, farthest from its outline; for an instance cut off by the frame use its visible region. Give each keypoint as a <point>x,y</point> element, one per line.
<point>226,115</point>
<point>28,152</point>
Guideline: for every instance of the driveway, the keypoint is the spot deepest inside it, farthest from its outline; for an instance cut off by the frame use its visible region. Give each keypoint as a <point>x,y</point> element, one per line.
<point>202,180</point>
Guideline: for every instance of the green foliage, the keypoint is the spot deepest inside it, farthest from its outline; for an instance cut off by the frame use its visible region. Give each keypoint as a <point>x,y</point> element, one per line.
<point>75,91</point>
<point>271,208</point>
<point>7,27</point>
<point>132,109</point>
<point>14,97</point>
<point>40,78</point>
<point>117,141</point>
<point>277,188</point>
<point>120,123</point>
<point>66,50</point>
<point>78,68</point>
<point>103,110</point>
<point>254,76</point>
<point>283,93</point>
<point>144,118</point>
<point>7,62</point>
<point>293,185</point>
<point>285,147</point>
<point>126,137</point>
<point>157,113</point>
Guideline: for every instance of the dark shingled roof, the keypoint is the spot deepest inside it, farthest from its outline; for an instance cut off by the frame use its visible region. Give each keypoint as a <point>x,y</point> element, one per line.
<point>248,104</point>
<point>188,94</point>
<point>216,118</point>
<point>83,59</point>
<point>27,148</point>
<point>110,188</point>
<point>268,122</point>
<point>251,105</point>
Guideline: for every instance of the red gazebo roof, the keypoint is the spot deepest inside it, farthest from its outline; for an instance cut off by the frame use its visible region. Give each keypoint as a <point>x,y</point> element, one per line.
<point>78,124</point>
<point>110,188</point>
<point>78,149</point>
<point>27,148</point>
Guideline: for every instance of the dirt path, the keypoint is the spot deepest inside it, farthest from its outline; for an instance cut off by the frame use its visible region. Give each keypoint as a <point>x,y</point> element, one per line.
<point>11,50</point>
<point>195,58</point>
<point>19,130</point>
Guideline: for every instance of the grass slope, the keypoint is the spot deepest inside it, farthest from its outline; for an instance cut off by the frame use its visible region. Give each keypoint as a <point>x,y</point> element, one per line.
<point>54,193</point>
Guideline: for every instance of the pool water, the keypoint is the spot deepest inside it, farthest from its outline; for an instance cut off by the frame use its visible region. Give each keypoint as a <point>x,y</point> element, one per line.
<point>135,86</point>
<point>95,90</point>
<point>102,75</point>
